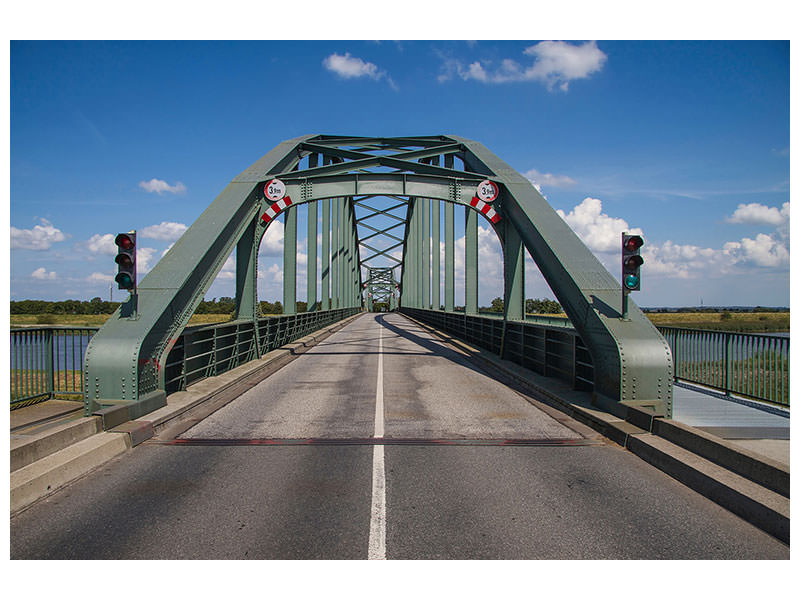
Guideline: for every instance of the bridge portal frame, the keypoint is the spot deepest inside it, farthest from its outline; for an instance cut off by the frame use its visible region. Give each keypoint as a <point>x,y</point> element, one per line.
<point>125,360</point>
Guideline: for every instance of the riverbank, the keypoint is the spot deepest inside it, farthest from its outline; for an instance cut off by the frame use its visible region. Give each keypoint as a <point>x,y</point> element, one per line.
<point>766,322</point>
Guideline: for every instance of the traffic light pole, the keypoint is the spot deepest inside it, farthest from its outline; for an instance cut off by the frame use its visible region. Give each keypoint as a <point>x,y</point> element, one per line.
<point>625,304</point>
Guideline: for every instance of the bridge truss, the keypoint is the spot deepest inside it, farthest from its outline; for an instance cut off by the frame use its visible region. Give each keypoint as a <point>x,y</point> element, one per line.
<point>381,202</point>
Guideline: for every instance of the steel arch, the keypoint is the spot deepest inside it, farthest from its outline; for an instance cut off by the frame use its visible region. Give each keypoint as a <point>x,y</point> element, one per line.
<point>125,360</point>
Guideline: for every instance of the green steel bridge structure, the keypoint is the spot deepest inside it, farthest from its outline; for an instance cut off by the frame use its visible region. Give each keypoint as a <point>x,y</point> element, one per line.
<point>375,210</point>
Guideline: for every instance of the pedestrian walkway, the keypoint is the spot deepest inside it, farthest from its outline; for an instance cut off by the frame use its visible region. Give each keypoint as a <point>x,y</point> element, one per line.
<point>763,429</point>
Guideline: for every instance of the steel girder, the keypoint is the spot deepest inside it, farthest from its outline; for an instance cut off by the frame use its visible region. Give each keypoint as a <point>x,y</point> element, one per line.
<point>381,286</point>
<point>125,360</point>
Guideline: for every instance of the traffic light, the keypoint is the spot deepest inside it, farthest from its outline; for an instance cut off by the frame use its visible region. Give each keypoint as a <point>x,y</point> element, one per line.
<point>631,261</point>
<point>126,261</point>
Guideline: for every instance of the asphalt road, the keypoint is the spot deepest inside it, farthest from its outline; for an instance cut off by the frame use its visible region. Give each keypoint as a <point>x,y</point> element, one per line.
<point>406,461</point>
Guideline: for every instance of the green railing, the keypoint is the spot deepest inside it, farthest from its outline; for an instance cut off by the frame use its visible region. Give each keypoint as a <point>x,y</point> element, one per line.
<point>751,365</point>
<point>550,350</point>
<point>47,362</point>
<point>207,350</point>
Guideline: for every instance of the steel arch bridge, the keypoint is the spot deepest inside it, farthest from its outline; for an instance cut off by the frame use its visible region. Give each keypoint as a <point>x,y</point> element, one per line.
<point>381,204</point>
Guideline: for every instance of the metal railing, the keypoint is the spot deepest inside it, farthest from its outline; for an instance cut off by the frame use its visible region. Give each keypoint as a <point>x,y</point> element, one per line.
<point>207,350</point>
<point>47,362</point>
<point>550,350</point>
<point>751,365</point>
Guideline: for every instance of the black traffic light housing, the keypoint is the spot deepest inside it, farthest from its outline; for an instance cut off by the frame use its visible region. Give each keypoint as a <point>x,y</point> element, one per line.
<point>126,261</point>
<point>631,262</point>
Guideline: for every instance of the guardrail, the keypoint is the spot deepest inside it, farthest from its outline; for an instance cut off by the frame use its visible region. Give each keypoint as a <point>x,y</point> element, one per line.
<point>751,365</point>
<point>550,350</point>
<point>207,350</point>
<point>47,362</point>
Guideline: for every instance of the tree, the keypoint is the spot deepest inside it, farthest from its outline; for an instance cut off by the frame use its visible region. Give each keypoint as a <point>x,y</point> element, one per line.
<point>542,307</point>
<point>497,305</point>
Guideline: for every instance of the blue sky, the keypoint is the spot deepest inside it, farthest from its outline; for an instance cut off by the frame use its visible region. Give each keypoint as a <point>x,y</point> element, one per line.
<point>686,141</point>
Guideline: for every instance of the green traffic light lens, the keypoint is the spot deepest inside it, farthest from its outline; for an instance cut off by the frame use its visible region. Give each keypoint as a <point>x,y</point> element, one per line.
<point>631,281</point>
<point>124,280</point>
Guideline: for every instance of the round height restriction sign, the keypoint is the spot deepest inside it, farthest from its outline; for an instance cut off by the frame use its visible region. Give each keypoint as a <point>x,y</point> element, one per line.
<point>275,190</point>
<point>487,191</point>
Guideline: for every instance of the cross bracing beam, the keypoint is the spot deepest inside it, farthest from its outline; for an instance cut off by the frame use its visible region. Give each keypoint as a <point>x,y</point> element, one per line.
<point>125,359</point>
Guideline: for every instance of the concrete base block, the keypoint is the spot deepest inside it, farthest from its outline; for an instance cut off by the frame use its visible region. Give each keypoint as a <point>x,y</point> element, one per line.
<point>763,508</point>
<point>37,480</point>
<point>28,449</point>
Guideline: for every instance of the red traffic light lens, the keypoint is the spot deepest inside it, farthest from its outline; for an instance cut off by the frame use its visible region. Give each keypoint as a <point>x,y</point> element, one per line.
<point>124,242</point>
<point>633,243</point>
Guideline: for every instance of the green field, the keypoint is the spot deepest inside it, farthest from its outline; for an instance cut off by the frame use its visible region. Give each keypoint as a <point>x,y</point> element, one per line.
<point>739,322</point>
<point>96,320</point>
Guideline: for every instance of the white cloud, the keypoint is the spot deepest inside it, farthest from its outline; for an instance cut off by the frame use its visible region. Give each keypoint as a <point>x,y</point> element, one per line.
<point>598,231</point>
<point>760,214</point>
<point>558,63</point>
<point>228,270</point>
<point>166,230</point>
<point>41,237</point>
<point>159,186</point>
<point>41,273</point>
<point>102,244</point>
<point>143,258</point>
<point>555,64</point>
<point>601,233</point>
<point>272,242</point>
<point>764,251</point>
<point>351,67</point>
<point>100,278</point>
<point>548,179</point>
<point>273,274</point>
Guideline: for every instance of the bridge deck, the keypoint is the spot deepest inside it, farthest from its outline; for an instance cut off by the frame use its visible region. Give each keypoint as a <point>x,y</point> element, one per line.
<point>245,484</point>
<point>431,391</point>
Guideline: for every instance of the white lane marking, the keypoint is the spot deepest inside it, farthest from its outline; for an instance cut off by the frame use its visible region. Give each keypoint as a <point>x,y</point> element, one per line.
<point>377,524</point>
<point>379,389</point>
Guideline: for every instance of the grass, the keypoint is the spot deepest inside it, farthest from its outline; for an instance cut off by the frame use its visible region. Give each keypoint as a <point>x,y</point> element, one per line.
<point>32,381</point>
<point>741,322</point>
<point>97,320</point>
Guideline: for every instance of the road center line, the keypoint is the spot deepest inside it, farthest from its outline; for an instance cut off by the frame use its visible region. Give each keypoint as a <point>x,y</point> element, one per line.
<point>377,524</point>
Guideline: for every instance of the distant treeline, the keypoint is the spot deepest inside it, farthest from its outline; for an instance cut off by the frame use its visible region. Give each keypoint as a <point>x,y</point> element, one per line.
<point>97,306</point>
<point>533,306</point>
<point>227,305</point>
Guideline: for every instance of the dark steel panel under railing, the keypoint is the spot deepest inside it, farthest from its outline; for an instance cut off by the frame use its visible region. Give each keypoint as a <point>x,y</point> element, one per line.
<point>552,350</point>
<point>207,350</point>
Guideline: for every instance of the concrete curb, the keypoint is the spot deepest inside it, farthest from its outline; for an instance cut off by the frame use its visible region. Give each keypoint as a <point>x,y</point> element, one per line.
<point>28,449</point>
<point>45,476</point>
<point>765,471</point>
<point>750,485</point>
<point>64,453</point>
<point>755,504</point>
